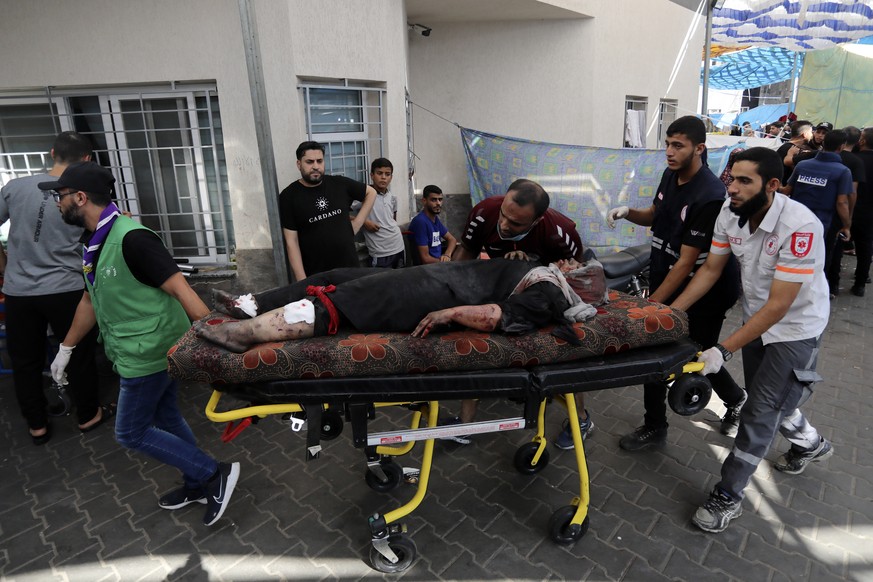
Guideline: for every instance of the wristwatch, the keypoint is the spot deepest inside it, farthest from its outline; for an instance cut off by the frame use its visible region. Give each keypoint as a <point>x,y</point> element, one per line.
<point>725,353</point>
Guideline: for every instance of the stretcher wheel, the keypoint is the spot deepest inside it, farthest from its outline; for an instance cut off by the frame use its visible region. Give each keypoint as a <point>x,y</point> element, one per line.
<point>524,459</point>
<point>560,529</point>
<point>400,545</point>
<point>331,424</point>
<point>393,472</point>
<point>689,394</point>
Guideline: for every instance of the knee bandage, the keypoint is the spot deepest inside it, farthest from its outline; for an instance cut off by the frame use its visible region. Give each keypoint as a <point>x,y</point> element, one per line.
<point>298,311</point>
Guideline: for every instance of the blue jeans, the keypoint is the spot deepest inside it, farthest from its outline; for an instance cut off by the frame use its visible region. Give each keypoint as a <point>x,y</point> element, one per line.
<point>149,421</point>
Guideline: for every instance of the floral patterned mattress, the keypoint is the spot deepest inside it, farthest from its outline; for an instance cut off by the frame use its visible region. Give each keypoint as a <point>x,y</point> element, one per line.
<point>624,323</point>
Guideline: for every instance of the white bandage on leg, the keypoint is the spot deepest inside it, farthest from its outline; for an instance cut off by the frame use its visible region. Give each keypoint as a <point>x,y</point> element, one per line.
<point>247,304</point>
<point>298,311</point>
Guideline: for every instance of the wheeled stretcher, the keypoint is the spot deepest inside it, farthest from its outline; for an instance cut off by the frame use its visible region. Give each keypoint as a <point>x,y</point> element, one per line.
<point>538,370</point>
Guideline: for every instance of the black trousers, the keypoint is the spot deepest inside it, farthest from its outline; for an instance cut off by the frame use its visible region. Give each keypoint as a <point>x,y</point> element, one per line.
<point>863,237</point>
<point>704,327</point>
<point>833,254</point>
<point>27,322</point>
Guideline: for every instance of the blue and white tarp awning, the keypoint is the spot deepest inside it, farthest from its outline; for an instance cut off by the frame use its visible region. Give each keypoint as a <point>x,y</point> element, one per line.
<point>752,67</point>
<point>762,115</point>
<point>796,25</point>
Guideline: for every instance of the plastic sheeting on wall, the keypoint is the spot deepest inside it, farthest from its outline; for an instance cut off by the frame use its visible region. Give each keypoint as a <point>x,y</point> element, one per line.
<point>583,182</point>
<point>835,86</point>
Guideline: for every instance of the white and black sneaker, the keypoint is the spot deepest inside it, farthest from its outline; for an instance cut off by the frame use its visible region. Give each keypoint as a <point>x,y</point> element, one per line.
<point>717,512</point>
<point>218,491</point>
<point>730,422</point>
<point>795,461</point>
<point>181,497</point>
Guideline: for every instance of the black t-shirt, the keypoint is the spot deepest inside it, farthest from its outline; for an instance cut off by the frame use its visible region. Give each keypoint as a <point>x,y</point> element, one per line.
<point>855,166</point>
<point>320,215</point>
<point>146,257</point>
<point>685,215</point>
<point>862,219</point>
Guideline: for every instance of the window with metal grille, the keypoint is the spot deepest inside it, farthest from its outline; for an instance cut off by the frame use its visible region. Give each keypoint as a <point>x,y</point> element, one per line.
<point>164,144</point>
<point>635,121</point>
<point>667,114</point>
<point>348,121</point>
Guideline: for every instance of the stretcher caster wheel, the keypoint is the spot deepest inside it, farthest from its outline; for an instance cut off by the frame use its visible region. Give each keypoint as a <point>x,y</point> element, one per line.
<point>689,394</point>
<point>403,548</point>
<point>562,531</point>
<point>331,425</point>
<point>524,459</point>
<point>393,477</point>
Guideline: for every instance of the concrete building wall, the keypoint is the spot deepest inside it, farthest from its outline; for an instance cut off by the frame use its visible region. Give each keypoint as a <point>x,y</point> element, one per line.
<point>561,81</point>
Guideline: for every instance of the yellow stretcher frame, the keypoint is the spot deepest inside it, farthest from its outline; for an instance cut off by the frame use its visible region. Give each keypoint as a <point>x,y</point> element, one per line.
<point>394,552</point>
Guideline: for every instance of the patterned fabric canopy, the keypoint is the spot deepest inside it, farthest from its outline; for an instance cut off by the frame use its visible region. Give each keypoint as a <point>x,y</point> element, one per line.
<point>752,67</point>
<point>797,25</point>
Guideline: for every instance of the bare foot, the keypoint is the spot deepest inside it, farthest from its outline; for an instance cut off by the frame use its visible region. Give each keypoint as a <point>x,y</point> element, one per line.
<point>224,334</point>
<point>224,302</point>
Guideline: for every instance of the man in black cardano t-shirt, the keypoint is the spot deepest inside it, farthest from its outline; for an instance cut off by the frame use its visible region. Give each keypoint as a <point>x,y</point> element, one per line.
<point>682,216</point>
<point>314,212</point>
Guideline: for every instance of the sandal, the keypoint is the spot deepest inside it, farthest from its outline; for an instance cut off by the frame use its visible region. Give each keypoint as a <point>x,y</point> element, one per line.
<point>43,438</point>
<point>108,412</point>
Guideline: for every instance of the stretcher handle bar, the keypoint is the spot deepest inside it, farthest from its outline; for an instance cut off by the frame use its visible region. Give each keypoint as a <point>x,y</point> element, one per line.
<point>397,437</point>
<point>688,368</point>
<point>263,410</point>
<point>240,413</point>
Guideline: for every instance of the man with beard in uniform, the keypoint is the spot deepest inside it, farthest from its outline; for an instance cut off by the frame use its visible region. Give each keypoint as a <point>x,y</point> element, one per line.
<point>779,245</point>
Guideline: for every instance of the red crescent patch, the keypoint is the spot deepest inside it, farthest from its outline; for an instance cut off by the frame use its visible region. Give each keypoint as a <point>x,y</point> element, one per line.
<point>801,243</point>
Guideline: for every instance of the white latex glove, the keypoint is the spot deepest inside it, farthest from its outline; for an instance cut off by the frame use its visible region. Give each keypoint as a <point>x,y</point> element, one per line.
<point>59,364</point>
<point>615,214</point>
<point>712,361</point>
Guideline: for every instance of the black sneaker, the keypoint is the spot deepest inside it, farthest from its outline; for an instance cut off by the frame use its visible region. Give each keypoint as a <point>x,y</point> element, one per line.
<point>730,422</point>
<point>858,290</point>
<point>218,491</point>
<point>717,512</point>
<point>795,461</point>
<point>181,497</point>
<point>643,437</point>
<point>565,438</point>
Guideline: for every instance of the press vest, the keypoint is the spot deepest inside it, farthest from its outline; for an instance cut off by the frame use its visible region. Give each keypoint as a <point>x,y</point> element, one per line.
<point>138,323</point>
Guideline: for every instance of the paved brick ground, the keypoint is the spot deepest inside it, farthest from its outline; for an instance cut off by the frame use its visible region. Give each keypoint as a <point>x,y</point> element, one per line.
<point>82,508</point>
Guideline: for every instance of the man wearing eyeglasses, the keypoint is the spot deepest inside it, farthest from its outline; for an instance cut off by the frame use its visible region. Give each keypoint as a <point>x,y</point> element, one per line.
<point>43,285</point>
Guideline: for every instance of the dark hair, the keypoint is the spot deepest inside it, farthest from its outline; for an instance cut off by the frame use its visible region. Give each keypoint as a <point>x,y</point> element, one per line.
<point>853,135</point>
<point>101,199</point>
<point>308,145</point>
<point>799,127</point>
<point>867,132</point>
<point>71,147</point>
<point>834,140</point>
<point>691,127</point>
<point>381,163</point>
<point>768,162</point>
<point>430,189</point>
<point>528,192</point>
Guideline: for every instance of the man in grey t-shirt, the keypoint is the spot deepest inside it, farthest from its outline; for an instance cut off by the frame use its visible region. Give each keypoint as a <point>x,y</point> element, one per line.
<point>43,284</point>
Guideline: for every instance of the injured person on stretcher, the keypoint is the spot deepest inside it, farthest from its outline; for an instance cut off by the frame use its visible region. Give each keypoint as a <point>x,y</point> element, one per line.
<point>502,295</point>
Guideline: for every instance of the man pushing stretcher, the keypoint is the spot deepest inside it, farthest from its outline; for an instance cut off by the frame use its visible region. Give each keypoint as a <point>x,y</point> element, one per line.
<point>497,295</point>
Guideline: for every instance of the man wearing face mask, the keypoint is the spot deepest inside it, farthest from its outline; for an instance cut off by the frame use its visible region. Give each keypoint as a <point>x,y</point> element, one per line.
<point>520,225</point>
<point>682,218</point>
